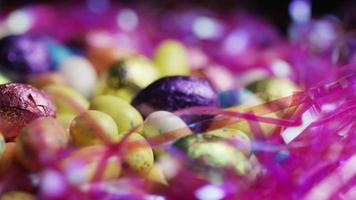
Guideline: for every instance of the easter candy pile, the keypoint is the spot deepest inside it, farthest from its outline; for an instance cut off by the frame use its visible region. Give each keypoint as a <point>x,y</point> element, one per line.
<point>110,102</point>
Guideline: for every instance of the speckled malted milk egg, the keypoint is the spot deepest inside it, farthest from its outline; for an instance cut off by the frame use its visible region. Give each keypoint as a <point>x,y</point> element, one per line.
<point>138,154</point>
<point>79,73</point>
<point>125,116</point>
<point>162,127</point>
<point>39,141</point>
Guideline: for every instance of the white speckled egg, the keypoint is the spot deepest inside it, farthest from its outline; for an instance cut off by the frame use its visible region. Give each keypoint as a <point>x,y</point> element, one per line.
<point>79,74</point>
<point>163,126</point>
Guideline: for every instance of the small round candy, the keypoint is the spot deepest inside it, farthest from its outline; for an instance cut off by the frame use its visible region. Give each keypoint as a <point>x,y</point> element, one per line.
<point>240,139</point>
<point>79,73</point>
<point>174,93</point>
<point>20,104</point>
<point>93,127</point>
<point>133,74</point>
<point>125,116</point>
<point>66,99</point>
<point>39,141</point>
<point>171,58</point>
<point>17,195</point>
<point>273,88</point>
<point>138,154</point>
<point>24,54</point>
<point>81,165</point>
<point>163,126</point>
<point>213,152</point>
<point>45,79</point>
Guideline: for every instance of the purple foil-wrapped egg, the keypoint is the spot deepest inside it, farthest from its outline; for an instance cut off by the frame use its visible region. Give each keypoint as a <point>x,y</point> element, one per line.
<point>174,93</point>
<point>19,105</point>
<point>24,54</point>
<point>177,92</point>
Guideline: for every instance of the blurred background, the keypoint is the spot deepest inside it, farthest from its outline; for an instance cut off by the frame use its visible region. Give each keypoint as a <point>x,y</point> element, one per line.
<point>275,11</point>
<point>294,39</point>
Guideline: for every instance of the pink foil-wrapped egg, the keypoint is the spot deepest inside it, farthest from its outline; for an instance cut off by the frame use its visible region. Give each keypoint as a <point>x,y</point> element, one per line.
<point>19,105</point>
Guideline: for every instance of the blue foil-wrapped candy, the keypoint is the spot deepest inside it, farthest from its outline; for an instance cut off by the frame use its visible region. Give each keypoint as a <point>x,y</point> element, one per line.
<point>173,93</point>
<point>57,53</point>
<point>24,54</point>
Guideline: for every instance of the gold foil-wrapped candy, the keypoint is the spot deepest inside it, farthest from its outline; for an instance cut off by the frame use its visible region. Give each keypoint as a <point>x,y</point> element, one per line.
<point>126,77</point>
<point>214,152</point>
<point>273,88</point>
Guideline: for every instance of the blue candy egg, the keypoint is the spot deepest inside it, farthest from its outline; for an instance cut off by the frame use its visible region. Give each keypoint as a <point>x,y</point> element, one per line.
<point>57,53</point>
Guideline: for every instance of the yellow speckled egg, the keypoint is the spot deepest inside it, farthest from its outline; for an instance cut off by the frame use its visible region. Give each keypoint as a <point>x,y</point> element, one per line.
<point>125,115</point>
<point>156,175</point>
<point>171,58</point>
<point>239,138</point>
<point>17,195</point>
<point>81,165</point>
<point>66,100</point>
<point>163,126</point>
<point>93,127</point>
<point>138,154</point>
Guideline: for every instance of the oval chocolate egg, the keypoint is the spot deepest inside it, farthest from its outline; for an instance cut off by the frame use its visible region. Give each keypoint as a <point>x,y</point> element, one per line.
<point>174,93</point>
<point>19,105</point>
<point>24,54</point>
